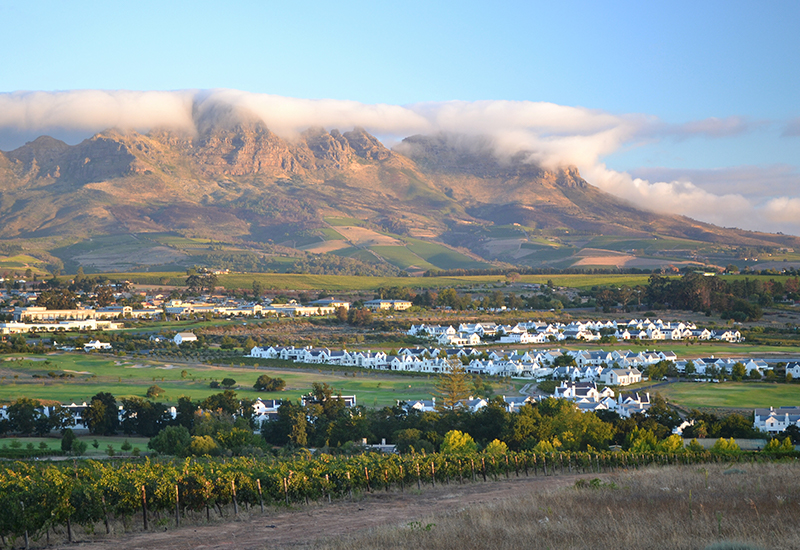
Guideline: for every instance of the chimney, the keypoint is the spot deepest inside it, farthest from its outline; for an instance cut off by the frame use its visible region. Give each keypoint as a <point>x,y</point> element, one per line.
<point>383,441</point>
<point>364,441</point>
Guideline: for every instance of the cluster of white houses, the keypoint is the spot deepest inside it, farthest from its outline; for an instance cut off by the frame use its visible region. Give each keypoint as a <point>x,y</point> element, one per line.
<point>617,368</point>
<point>40,319</point>
<point>537,332</point>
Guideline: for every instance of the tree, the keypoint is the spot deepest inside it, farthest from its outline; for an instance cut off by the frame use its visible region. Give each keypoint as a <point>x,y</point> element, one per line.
<point>203,445</point>
<point>172,440</point>
<point>228,383</point>
<point>725,446</point>
<point>23,415</point>
<point>101,415</point>
<point>104,295</point>
<point>143,417</point>
<point>258,290</point>
<point>496,447</point>
<point>57,299</point>
<point>61,418</point>
<point>154,391</point>
<point>225,402</point>
<point>265,383</point>
<point>67,440</point>
<point>452,387</point>
<point>776,446</point>
<point>456,441</point>
<point>185,412</point>
<point>695,447</point>
<point>197,283</point>
<point>359,317</point>
<point>738,371</point>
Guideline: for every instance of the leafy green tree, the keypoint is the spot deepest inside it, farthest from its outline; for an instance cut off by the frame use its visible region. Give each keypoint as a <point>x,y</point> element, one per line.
<point>67,439</point>
<point>203,445</point>
<point>725,446</point>
<point>496,447</point>
<point>641,440</point>
<point>185,410</point>
<point>266,383</point>
<point>172,440</point>
<point>57,299</point>
<point>23,415</point>
<point>672,444</point>
<point>228,383</point>
<point>79,447</point>
<point>101,415</point>
<point>226,402</point>
<point>456,441</point>
<point>738,371</point>
<point>695,447</point>
<point>154,391</point>
<point>227,343</point>
<point>777,446</point>
<point>143,417</point>
<point>61,418</point>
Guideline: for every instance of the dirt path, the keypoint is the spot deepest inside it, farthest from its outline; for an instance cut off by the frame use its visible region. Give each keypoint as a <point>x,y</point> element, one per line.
<point>302,526</point>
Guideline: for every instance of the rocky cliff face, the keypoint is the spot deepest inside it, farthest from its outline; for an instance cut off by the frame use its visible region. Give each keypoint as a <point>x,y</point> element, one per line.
<point>244,149</point>
<point>476,156</point>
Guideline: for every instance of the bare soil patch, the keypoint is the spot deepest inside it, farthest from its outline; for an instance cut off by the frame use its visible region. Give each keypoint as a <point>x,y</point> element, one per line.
<point>305,525</point>
<point>362,236</point>
<point>326,246</point>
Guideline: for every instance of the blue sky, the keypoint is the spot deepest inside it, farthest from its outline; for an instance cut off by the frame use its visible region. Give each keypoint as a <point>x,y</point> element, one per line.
<point>714,86</point>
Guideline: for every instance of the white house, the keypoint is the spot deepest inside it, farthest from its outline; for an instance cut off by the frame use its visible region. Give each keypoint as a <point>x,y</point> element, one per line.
<point>182,337</point>
<point>776,420</point>
<point>96,345</point>
<point>621,377</point>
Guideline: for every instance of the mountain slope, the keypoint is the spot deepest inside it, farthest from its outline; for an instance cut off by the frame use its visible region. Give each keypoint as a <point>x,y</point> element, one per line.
<point>242,183</point>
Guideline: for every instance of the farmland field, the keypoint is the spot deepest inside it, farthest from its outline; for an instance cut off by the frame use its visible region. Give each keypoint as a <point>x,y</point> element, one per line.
<point>346,282</point>
<point>402,257</point>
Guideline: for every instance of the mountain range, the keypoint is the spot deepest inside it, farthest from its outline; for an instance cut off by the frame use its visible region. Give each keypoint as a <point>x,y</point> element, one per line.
<point>431,202</point>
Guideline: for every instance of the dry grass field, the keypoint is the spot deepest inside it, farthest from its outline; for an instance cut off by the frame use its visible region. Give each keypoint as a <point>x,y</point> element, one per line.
<point>715,506</point>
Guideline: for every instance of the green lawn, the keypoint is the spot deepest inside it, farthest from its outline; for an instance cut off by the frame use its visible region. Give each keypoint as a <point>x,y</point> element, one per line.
<point>739,395</point>
<point>129,378</point>
<point>54,443</point>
